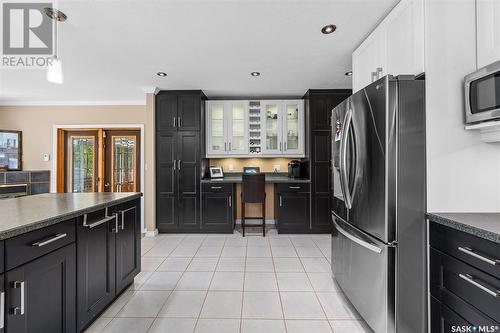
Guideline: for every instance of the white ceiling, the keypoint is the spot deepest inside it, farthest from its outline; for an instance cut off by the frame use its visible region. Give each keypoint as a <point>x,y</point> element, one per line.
<point>111,50</point>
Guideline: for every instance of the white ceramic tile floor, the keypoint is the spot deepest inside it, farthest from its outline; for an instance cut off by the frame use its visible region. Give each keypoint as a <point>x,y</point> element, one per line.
<point>230,284</point>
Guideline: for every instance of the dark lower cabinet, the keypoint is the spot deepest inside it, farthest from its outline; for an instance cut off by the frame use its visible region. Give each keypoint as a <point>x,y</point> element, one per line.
<point>41,295</point>
<point>95,268</point>
<point>465,291</point>
<point>128,245</point>
<point>108,243</point>
<point>292,208</point>
<point>217,208</point>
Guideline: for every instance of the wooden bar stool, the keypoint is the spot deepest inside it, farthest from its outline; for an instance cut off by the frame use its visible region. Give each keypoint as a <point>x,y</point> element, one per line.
<point>254,191</point>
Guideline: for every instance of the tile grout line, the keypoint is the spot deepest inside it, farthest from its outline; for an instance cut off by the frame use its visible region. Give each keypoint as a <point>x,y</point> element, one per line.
<point>278,285</point>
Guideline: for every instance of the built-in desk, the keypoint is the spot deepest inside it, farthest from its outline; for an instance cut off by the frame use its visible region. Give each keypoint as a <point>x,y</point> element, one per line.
<point>287,203</point>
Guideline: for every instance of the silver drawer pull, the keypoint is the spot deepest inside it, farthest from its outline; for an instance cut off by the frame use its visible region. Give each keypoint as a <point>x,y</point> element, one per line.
<point>469,251</point>
<point>294,187</point>
<point>95,224</point>
<point>474,282</point>
<point>215,187</point>
<point>123,215</point>
<point>50,240</point>
<point>18,310</point>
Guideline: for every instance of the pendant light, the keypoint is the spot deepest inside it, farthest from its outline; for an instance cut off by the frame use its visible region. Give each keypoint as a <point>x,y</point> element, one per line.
<point>54,68</point>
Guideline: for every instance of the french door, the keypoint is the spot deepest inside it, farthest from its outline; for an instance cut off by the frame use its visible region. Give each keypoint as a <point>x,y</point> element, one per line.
<point>99,160</point>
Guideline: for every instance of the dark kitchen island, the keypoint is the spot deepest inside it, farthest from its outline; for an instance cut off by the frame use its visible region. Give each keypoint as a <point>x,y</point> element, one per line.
<point>65,257</point>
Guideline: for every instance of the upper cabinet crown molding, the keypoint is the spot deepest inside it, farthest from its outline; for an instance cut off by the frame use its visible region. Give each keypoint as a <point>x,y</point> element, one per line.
<point>265,128</point>
<point>487,31</point>
<point>395,47</point>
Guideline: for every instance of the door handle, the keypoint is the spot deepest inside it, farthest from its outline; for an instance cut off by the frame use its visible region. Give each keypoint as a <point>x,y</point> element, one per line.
<point>225,146</point>
<point>174,121</point>
<point>380,72</point>
<point>281,147</point>
<point>2,309</point>
<point>469,278</point>
<point>294,187</point>
<point>284,145</point>
<point>95,224</point>
<point>116,228</point>
<point>230,200</point>
<point>374,76</point>
<point>48,241</point>
<point>179,122</point>
<point>215,187</point>
<point>179,165</point>
<point>18,310</point>
<point>281,201</point>
<point>173,168</point>
<point>469,251</point>
<point>122,212</point>
<point>357,240</point>
<point>344,180</point>
<point>229,146</point>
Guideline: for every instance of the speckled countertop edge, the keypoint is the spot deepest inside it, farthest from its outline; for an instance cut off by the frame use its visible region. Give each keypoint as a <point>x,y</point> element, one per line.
<point>470,229</point>
<point>16,231</point>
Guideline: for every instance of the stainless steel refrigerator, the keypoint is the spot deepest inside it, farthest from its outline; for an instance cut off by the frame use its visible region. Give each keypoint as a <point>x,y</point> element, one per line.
<point>378,176</point>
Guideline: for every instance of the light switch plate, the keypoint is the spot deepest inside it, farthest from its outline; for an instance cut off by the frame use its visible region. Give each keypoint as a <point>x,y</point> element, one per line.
<point>231,167</point>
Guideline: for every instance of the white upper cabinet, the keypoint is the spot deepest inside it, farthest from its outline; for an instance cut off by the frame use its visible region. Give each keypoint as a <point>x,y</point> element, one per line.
<point>395,47</point>
<point>265,128</point>
<point>227,128</point>
<point>488,31</point>
<point>283,124</point>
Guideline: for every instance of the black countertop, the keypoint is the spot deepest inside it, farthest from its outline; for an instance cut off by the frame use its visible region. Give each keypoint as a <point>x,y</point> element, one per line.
<point>484,225</point>
<point>270,178</point>
<point>21,215</point>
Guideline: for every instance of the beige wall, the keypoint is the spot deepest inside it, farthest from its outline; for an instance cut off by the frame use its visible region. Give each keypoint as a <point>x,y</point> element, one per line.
<point>37,123</point>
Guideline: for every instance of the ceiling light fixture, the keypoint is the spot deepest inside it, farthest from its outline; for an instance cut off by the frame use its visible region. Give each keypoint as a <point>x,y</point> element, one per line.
<point>162,74</point>
<point>328,29</point>
<point>54,67</point>
<point>55,14</point>
<point>348,73</point>
<point>255,73</point>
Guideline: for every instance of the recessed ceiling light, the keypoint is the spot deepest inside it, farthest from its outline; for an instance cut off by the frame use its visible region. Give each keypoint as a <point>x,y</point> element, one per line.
<point>162,74</point>
<point>255,73</point>
<point>328,29</point>
<point>348,73</point>
<point>55,14</point>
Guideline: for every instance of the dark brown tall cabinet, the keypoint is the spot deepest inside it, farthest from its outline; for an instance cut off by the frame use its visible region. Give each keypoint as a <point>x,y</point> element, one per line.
<point>179,150</point>
<point>318,106</point>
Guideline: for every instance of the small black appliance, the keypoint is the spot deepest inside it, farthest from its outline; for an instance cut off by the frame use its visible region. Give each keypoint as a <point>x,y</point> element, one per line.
<point>294,169</point>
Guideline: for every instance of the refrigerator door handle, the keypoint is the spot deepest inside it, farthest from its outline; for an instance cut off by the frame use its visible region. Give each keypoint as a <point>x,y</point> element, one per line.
<point>357,240</point>
<point>343,160</point>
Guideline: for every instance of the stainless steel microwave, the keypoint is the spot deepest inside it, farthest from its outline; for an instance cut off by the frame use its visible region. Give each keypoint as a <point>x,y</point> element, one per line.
<point>482,94</point>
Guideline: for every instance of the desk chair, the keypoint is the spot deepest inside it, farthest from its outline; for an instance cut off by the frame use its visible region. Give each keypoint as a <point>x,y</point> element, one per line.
<point>254,191</point>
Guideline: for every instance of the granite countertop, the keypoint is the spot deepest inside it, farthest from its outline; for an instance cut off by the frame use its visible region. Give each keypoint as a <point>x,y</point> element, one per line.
<point>270,178</point>
<point>21,215</point>
<point>484,225</point>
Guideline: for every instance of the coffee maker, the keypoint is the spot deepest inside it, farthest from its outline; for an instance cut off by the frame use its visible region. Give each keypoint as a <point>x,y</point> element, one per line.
<point>295,169</point>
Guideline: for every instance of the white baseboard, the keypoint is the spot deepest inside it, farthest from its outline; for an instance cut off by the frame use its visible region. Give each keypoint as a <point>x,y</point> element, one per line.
<point>249,222</point>
<point>152,233</point>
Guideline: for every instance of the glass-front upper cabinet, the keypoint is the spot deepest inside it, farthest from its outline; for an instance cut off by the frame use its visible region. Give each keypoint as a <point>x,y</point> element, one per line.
<point>272,120</point>
<point>237,128</point>
<point>227,128</point>
<point>216,128</point>
<point>293,127</point>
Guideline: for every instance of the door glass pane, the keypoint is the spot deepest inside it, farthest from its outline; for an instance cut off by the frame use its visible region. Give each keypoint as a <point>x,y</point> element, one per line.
<point>292,122</point>
<point>217,127</point>
<point>83,164</point>
<point>123,164</point>
<point>271,127</point>
<point>238,127</point>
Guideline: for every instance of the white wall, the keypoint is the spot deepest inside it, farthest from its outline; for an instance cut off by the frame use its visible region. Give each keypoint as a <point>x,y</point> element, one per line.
<point>463,173</point>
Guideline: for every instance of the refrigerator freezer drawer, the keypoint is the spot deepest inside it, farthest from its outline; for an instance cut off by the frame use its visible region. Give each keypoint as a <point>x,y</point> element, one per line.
<point>364,269</point>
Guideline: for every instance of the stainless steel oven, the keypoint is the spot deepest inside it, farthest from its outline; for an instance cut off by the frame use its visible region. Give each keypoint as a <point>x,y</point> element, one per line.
<point>482,94</point>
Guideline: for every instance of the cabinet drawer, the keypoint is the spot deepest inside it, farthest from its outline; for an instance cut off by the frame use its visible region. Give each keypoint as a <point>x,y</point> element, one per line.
<point>475,251</point>
<point>217,188</point>
<point>451,278</point>
<point>446,316</point>
<point>29,246</point>
<point>294,187</point>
